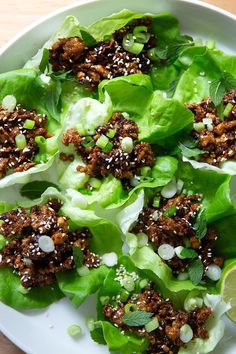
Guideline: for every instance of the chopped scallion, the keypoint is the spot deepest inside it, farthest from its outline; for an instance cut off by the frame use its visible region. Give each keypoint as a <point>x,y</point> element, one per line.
<point>156,202</point>
<point>130,45</point>
<point>95,183</point>
<point>146,171</point>
<point>29,124</point>
<point>88,142</point>
<point>108,147</point>
<point>141,35</point>
<point>74,330</point>
<point>152,325</point>
<point>102,141</point>
<point>20,141</point>
<point>111,133</point>
<point>130,308</point>
<point>228,110</point>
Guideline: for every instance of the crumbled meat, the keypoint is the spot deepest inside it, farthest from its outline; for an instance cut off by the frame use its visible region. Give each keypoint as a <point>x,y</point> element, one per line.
<point>22,251</point>
<point>166,338</point>
<point>120,164</point>
<point>12,124</point>
<point>105,60</point>
<point>178,230</point>
<point>218,142</point>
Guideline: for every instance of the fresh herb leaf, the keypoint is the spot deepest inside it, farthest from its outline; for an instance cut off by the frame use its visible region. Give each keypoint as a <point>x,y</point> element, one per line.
<point>170,211</point>
<point>97,336</point>
<point>87,38</point>
<point>200,225</point>
<point>195,271</point>
<point>178,46</point>
<point>35,189</point>
<point>218,88</point>
<point>137,318</point>
<point>44,64</point>
<point>78,257</point>
<point>60,75</point>
<point>217,91</point>
<point>189,152</point>
<point>188,253</point>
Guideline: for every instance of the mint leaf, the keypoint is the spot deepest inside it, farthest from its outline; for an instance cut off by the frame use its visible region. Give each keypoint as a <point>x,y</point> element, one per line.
<point>189,152</point>
<point>44,64</point>
<point>188,253</point>
<point>195,271</point>
<point>137,318</point>
<point>200,225</point>
<point>217,91</point>
<point>218,88</point>
<point>35,189</point>
<point>78,256</point>
<point>97,336</point>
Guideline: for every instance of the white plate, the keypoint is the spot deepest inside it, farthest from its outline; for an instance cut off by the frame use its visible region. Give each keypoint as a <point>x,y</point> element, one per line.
<point>44,331</point>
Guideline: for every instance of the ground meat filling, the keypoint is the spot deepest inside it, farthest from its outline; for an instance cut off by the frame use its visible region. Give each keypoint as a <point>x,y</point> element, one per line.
<point>178,230</point>
<point>218,138</point>
<point>11,125</point>
<point>166,338</point>
<point>120,164</point>
<point>105,60</point>
<point>22,251</point>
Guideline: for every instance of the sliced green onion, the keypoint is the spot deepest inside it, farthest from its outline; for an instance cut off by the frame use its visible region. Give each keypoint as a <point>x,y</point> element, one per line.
<point>130,308</point>
<point>104,300</point>
<point>111,133</point>
<point>88,142</point>
<point>228,110</point>
<point>198,126</point>
<point>83,271</point>
<point>9,103</point>
<point>166,251</point>
<point>128,283</point>
<point>127,144</point>
<point>153,54</point>
<point>152,325</point>
<point>191,304</point>
<point>29,124</point>
<point>183,276</point>
<point>142,239</point>
<point>90,324</point>
<point>145,171</point>
<point>20,141</point>
<point>143,283</point>
<point>170,211</point>
<point>141,35</point>
<point>178,251</point>
<point>213,272</point>
<point>95,183</point>
<point>74,330</point>
<point>156,202</point>
<point>108,147</point>
<point>124,295</point>
<point>102,141</point>
<point>40,140</point>
<point>130,45</point>
<point>186,333</point>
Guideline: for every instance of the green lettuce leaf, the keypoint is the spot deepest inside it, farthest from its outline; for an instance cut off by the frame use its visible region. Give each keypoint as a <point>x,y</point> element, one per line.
<point>13,294</point>
<point>165,26</point>
<point>78,288</point>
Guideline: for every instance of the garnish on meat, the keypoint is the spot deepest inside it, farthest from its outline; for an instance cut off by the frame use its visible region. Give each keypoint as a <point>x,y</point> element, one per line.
<point>18,130</point>
<point>166,323</point>
<point>172,229</point>
<point>216,136</point>
<point>114,149</point>
<point>40,244</point>
<point>105,60</point>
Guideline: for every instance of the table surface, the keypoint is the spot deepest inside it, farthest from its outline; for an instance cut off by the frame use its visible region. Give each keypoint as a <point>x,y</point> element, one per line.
<point>24,13</point>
